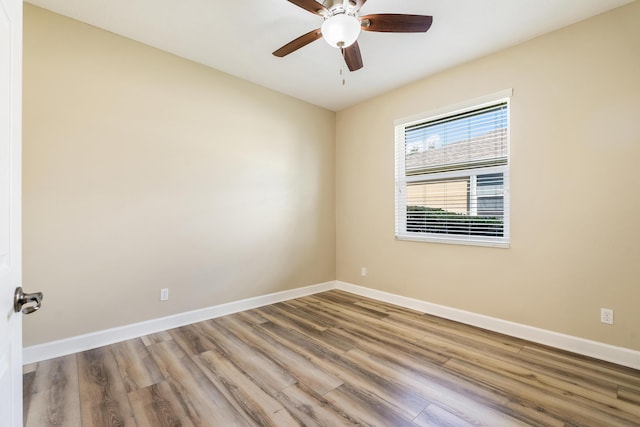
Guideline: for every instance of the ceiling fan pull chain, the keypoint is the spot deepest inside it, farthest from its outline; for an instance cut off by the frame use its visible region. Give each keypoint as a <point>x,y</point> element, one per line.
<point>342,74</point>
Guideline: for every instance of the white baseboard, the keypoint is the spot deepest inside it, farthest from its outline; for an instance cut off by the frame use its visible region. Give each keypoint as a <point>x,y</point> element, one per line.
<point>79,343</point>
<point>619,355</point>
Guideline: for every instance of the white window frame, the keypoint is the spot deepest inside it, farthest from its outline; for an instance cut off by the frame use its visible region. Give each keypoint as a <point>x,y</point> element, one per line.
<point>402,179</point>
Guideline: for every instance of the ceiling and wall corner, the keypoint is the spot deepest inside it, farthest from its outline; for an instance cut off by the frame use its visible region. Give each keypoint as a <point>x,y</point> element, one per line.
<point>237,37</point>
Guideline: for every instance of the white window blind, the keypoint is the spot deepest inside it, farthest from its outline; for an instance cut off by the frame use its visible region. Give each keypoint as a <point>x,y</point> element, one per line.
<point>452,176</point>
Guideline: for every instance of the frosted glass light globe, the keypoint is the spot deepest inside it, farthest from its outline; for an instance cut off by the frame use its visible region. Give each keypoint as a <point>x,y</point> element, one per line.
<point>341,30</point>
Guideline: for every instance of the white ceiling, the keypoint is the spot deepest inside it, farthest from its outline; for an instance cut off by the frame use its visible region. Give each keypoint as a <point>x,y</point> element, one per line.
<point>238,36</point>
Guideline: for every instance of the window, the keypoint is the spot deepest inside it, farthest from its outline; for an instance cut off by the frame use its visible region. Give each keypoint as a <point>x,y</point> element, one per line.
<point>452,174</point>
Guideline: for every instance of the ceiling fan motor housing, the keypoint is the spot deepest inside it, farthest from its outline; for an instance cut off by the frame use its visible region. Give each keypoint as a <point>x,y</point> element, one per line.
<point>340,6</point>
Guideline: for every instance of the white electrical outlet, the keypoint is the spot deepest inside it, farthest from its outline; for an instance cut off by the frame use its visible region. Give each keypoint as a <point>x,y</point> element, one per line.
<point>164,294</point>
<point>363,271</point>
<point>606,315</point>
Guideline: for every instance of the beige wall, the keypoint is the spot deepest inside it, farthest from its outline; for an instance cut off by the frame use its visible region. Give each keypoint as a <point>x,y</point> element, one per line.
<point>143,171</point>
<point>575,186</point>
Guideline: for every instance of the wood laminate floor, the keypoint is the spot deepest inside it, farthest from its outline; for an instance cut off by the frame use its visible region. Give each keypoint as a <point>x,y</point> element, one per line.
<point>330,359</point>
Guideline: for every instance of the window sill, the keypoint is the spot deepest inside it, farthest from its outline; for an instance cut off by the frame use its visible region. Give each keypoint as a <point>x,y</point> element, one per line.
<point>454,241</point>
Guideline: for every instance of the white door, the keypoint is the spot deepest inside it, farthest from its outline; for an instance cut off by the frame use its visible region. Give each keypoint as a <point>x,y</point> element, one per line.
<point>10,195</point>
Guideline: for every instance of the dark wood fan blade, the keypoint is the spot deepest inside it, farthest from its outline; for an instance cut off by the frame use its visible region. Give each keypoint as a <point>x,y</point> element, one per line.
<point>352,57</point>
<point>296,44</point>
<point>311,5</point>
<point>396,23</point>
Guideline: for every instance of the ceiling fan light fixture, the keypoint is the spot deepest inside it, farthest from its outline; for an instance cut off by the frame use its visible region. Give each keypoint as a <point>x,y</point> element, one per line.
<point>341,30</point>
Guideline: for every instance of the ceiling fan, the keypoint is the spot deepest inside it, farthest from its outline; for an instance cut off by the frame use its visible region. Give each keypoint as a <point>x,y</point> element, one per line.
<point>342,25</point>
